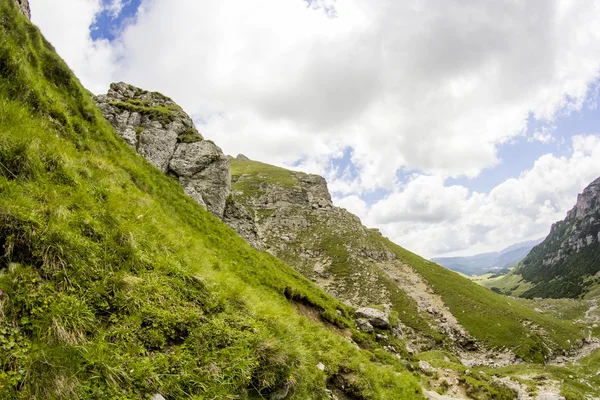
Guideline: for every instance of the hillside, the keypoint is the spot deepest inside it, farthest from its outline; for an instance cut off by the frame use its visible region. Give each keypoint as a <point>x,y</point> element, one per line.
<point>114,284</point>
<point>119,280</point>
<point>567,262</point>
<point>479,264</point>
<point>290,215</point>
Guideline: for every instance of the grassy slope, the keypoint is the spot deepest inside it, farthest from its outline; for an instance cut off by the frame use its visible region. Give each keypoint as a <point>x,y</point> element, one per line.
<point>473,305</point>
<point>335,238</point>
<point>116,285</point>
<point>476,307</point>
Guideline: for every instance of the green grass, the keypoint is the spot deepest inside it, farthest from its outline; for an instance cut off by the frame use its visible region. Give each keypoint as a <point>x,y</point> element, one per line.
<point>577,381</point>
<point>116,285</point>
<point>248,176</point>
<point>497,320</point>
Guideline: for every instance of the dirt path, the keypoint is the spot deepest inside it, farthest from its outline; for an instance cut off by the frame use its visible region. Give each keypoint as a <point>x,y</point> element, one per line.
<point>441,318</point>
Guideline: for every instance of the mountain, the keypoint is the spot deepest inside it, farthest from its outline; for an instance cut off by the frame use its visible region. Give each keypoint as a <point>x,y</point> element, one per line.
<point>115,284</point>
<point>482,263</point>
<point>119,277</point>
<point>567,262</point>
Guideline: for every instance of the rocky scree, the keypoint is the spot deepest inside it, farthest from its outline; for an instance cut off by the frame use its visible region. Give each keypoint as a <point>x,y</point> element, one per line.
<point>165,135</point>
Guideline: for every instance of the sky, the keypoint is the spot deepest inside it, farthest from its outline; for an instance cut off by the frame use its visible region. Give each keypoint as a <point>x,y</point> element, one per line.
<point>453,126</point>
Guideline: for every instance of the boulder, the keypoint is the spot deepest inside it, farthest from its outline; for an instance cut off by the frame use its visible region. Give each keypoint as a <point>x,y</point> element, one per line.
<point>363,324</point>
<point>165,135</point>
<point>375,317</point>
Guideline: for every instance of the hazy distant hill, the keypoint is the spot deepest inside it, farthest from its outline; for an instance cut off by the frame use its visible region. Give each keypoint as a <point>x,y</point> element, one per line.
<point>484,262</point>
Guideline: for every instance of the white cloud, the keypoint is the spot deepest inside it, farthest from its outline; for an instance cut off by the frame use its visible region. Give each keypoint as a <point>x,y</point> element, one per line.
<point>114,7</point>
<point>66,24</point>
<point>431,89</point>
<point>430,218</point>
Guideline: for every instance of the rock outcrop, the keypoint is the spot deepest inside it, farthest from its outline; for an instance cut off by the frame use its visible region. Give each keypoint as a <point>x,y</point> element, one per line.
<point>290,215</point>
<point>561,266</point>
<point>165,135</point>
<point>23,5</point>
<point>375,317</point>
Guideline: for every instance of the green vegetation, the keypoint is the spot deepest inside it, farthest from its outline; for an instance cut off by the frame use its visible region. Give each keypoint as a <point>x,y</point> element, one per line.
<point>116,285</point>
<point>190,135</point>
<point>570,275</point>
<point>577,381</point>
<point>163,114</point>
<point>248,176</point>
<point>496,320</point>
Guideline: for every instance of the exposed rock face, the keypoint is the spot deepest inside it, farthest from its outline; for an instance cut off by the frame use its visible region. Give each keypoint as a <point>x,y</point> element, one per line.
<point>559,265</point>
<point>290,215</point>
<point>375,317</point>
<point>165,135</point>
<point>23,5</point>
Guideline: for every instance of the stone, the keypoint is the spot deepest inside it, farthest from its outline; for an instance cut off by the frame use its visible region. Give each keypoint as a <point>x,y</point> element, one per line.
<point>23,6</point>
<point>550,396</point>
<point>158,396</point>
<point>321,367</point>
<point>363,324</point>
<point>170,142</point>
<point>426,368</point>
<point>375,317</point>
<point>538,310</point>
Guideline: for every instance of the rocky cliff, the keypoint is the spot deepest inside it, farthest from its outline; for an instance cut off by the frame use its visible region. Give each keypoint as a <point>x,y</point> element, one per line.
<point>23,6</point>
<point>165,135</point>
<point>566,262</point>
<point>290,215</point>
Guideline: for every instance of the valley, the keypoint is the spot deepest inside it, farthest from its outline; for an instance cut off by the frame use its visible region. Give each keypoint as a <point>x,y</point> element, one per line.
<point>138,260</point>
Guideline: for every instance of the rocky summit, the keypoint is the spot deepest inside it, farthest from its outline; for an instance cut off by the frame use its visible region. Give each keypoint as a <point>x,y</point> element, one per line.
<point>567,262</point>
<point>165,135</point>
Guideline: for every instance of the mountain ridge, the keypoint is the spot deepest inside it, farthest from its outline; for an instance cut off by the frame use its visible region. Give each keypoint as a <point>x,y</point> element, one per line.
<point>116,283</point>
<point>479,264</point>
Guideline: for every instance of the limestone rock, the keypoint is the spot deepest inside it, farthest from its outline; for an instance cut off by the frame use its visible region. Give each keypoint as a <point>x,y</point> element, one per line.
<point>23,5</point>
<point>549,396</point>
<point>375,317</point>
<point>426,368</point>
<point>165,135</point>
<point>364,325</point>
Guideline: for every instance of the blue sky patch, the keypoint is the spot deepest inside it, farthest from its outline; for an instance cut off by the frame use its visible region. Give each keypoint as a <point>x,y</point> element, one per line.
<point>107,25</point>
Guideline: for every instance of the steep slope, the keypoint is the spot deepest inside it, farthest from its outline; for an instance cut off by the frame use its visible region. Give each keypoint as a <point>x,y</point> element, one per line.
<point>290,214</point>
<point>479,264</point>
<point>567,262</point>
<point>114,284</point>
<point>166,136</point>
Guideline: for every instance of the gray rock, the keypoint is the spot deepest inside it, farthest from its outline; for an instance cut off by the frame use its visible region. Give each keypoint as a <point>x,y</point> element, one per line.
<point>23,6</point>
<point>375,317</point>
<point>364,325</point>
<point>426,368</point>
<point>165,135</point>
<point>158,396</point>
<point>549,396</point>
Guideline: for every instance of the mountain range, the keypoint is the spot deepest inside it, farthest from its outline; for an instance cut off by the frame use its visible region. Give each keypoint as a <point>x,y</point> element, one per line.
<point>479,264</point>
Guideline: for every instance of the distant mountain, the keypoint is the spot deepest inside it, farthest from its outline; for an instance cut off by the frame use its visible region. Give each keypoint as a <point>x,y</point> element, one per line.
<point>481,263</point>
<point>567,262</point>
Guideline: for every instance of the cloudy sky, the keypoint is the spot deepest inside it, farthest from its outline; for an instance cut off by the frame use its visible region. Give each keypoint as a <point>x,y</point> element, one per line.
<point>454,126</point>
